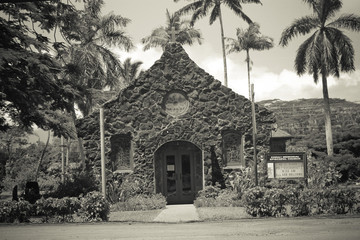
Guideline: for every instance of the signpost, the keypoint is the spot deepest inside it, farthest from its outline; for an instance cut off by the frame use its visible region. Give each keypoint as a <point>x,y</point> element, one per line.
<point>284,165</point>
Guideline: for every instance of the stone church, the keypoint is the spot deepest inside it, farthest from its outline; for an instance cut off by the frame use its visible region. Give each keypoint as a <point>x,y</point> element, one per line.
<point>175,129</point>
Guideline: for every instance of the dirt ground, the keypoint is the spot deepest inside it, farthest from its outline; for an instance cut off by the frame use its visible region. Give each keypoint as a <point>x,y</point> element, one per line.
<point>320,228</point>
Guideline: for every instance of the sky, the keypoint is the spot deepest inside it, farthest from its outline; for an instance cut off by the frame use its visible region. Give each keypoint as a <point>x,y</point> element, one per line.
<point>272,72</point>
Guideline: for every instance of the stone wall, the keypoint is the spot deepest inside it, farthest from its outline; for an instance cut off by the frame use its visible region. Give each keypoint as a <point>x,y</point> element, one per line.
<point>139,110</point>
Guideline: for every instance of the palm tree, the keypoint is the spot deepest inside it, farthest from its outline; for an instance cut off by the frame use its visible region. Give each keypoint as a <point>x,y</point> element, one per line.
<point>130,71</point>
<point>91,63</point>
<point>175,28</point>
<point>327,51</point>
<point>200,9</point>
<point>249,39</point>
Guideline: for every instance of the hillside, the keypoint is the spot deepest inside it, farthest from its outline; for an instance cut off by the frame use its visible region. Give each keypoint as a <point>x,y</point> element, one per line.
<point>305,116</point>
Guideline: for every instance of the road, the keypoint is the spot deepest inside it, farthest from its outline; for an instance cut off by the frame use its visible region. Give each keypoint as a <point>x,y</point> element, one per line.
<point>284,228</point>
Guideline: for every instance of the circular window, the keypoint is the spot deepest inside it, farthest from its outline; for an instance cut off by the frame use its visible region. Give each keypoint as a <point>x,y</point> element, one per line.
<point>176,104</point>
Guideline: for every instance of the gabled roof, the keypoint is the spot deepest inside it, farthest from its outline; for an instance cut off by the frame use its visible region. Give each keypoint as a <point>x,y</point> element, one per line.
<point>278,133</point>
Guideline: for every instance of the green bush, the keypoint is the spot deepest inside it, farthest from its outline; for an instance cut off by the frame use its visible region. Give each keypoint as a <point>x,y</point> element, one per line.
<point>10,211</point>
<point>213,196</point>
<point>58,210</point>
<point>81,184</point>
<point>261,201</point>
<point>94,207</point>
<point>142,202</point>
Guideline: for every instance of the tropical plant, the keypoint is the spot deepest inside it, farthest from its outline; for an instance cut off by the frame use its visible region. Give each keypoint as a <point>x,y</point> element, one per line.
<point>130,71</point>
<point>31,90</point>
<point>200,9</point>
<point>327,51</point>
<point>180,30</point>
<point>90,63</point>
<point>249,39</point>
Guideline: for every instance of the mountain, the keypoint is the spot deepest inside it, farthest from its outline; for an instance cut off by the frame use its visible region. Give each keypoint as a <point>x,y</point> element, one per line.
<point>304,120</point>
<point>304,116</point>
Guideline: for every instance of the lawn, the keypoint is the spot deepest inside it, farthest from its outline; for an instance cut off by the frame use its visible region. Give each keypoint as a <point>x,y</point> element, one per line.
<point>134,216</point>
<point>222,213</point>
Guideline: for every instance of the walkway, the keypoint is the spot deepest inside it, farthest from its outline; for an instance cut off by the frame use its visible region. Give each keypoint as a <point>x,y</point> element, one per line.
<point>178,213</point>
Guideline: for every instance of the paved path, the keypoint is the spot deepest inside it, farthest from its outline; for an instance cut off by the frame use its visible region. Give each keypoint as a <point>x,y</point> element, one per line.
<point>178,213</point>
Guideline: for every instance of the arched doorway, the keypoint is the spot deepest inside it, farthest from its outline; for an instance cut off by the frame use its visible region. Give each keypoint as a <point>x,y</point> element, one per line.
<point>178,171</point>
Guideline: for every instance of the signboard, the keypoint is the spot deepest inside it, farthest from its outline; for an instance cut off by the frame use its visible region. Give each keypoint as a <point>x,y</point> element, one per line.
<point>286,165</point>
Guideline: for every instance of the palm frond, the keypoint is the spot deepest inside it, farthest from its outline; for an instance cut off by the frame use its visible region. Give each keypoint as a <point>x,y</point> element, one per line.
<point>347,21</point>
<point>215,13</point>
<point>237,8</point>
<point>303,56</point>
<point>300,26</point>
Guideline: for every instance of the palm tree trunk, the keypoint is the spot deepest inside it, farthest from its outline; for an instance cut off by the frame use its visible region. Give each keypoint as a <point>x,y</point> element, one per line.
<point>248,71</point>
<point>327,113</point>
<point>42,157</point>
<point>223,48</point>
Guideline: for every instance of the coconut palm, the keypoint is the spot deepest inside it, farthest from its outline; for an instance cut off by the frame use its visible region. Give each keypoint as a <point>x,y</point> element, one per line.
<point>91,63</point>
<point>130,71</point>
<point>249,39</point>
<point>200,8</point>
<point>327,51</point>
<point>175,28</point>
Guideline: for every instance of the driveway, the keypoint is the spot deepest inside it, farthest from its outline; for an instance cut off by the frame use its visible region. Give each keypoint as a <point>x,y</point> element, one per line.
<point>272,228</point>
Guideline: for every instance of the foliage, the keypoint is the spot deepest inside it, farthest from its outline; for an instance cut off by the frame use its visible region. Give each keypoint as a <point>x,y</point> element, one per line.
<point>183,33</point>
<point>201,8</point>
<point>61,210</point>
<point>314,201</point>
<point>241,180</point>
<point>85,51</point>
<point>141,202</point>
<point>213,196</point>
<point>31,91</point>
<point>94,207</point>
<point>328,51</point>
<point>249,39</point>
<point>322,172</point>
<point>80,184</point>
<point>261,201</point>
<point>11,211</point>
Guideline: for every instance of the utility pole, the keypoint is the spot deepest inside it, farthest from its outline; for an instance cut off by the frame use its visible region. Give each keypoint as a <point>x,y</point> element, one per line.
<point>102,142</point>
<point>62,159</point>
<point>254,131</point>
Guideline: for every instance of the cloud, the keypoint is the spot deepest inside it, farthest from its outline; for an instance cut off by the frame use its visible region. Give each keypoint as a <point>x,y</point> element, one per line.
<point>137,54</point>
<point>286,85</point>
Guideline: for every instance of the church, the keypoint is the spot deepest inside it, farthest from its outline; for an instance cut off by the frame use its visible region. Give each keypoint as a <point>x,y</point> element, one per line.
<point>175,129</point>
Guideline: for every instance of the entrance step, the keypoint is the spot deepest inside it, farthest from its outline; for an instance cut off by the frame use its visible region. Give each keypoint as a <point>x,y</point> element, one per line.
<point>178,213</point>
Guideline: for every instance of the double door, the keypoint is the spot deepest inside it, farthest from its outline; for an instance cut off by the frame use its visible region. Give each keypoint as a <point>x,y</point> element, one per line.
<point>179,176</point>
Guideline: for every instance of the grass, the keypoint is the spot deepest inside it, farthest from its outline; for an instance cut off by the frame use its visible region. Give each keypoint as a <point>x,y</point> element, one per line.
<point>134,216</point>
<point>222,213</point>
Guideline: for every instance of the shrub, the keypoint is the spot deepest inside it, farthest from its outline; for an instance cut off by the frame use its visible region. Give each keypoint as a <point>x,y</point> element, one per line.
<point>94,207</point>
<point>81,184</point>
<point>261,201</point>
<point>142,202</point>
<point>60,210</point>
<point>10,211</point>
<point>213,196</point>
<point>242,180</point>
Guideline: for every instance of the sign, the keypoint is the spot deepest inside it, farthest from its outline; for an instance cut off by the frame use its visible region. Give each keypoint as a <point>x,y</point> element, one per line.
<point>176,104</point>
<point>286,165</point>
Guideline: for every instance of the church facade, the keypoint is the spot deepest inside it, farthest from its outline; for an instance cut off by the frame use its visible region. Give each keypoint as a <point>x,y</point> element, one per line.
<point>175,129</point>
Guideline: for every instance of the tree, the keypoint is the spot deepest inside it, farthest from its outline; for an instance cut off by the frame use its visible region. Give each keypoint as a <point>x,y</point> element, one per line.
<point>31,91</point>
<point>327,51</point>
<point>200,9</point>
<point>183,33</point>
<point>87,56</point>
<point>249,39</point>
<point>130,71</point>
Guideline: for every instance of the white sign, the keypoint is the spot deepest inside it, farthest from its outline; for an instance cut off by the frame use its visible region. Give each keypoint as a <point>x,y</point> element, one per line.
<point>289,170</point>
